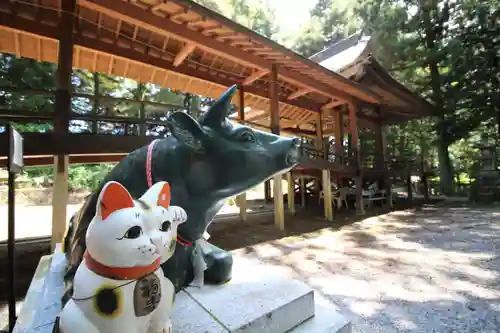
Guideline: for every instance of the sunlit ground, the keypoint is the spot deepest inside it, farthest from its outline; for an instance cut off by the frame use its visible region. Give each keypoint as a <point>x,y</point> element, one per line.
<point>429,271</point>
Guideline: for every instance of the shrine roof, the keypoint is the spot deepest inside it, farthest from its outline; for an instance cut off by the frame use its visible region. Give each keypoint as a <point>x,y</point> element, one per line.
<point>353,58</point>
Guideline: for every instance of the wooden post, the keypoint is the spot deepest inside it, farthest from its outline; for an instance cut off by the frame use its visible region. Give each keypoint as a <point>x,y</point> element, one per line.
<point>142,112</point>
<point>327,191</point>
<point>291,192</point>
<point>95,109</point>
<point>409,185</point>
<point>302,192</point>
<point>388,189</point>
<point>379,147</point>
<point>241,202</point>
<point>387,166</point>
<point>242,198</point>
<point>423,175</point>
<point>353,108</point>
<point>61,118</point>
<point>318,143</point>
<point>267,190</point>
<point>59,199</point>
<point>279,210</point>
<point>339,136</point>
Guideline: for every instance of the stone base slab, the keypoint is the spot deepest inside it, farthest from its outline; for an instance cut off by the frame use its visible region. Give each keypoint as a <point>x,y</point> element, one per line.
<point>259,299</point>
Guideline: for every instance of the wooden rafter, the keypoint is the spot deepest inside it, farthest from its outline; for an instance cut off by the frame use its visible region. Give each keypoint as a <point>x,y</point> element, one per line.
<point>333,103</point>
<point>299,93</point>
<point>149,21</point>
<point>186,50</point>
<point>256,114</point>
<point>116,53</point>
<point>254,77</point>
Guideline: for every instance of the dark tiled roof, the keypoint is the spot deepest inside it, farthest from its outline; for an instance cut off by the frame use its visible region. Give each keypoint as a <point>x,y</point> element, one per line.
<point>338,47</point>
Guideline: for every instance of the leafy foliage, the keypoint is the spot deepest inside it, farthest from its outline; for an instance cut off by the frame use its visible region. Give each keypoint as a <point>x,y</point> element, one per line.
<point>330,22</point>
<point>447,51</point>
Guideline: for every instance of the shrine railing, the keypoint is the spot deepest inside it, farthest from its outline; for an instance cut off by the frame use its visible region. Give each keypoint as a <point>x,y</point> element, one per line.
<point>319,158</point>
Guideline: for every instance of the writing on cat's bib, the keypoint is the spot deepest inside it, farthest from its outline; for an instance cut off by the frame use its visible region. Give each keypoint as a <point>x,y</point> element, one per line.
<point>147,295</point>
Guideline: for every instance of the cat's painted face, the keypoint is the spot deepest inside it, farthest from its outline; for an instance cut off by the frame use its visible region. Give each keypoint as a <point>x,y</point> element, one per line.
<point>163,219</point>
<point>125,234</point>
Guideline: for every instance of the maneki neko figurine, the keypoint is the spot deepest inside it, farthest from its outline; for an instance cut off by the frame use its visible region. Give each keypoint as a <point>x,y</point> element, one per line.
<point>119,286</point>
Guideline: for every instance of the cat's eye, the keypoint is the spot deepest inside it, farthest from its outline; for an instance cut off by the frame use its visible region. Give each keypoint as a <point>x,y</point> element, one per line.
<point>165,226</point>
<point>133,232</point>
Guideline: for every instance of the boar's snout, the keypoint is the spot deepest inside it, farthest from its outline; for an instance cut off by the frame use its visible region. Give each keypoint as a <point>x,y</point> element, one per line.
<point>292,157</point>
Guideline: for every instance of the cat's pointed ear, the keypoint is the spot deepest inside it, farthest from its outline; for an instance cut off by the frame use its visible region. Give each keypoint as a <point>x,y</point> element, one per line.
<point>113,197</point>
<point>158,195</point>
<point>164,196</point>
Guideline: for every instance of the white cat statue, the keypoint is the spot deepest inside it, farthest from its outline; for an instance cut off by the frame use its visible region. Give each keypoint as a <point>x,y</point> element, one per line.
<point>119,286</point>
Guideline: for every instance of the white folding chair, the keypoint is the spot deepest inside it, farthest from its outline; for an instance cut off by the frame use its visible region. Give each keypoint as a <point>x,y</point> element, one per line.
<point>340,197</point>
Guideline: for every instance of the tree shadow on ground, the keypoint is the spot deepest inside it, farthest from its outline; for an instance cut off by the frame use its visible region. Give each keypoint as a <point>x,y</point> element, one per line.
<point>431,270</point>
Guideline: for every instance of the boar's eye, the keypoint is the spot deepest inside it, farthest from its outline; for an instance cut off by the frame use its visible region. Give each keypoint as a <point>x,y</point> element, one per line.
<point>247,136</point>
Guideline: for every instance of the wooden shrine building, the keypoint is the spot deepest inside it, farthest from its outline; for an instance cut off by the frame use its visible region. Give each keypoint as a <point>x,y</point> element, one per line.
<point>181,45</point>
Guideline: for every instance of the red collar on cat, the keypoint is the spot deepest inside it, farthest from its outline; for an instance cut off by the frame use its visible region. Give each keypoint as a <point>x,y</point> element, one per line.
<point>120,273</point>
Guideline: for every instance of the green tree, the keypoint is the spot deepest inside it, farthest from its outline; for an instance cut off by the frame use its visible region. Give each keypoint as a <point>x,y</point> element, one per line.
<point>423,43</point>
<point>330,22</point>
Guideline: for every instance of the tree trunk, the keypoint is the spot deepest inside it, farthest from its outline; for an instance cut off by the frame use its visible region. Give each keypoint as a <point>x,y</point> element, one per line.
<point>445,167</point>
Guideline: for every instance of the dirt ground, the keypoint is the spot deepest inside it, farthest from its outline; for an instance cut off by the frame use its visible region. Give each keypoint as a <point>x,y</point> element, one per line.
<point>431,270</point>
<point>434,269</point>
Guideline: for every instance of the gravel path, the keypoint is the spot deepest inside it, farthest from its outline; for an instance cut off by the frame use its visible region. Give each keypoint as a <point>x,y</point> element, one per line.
<point>435,270</point>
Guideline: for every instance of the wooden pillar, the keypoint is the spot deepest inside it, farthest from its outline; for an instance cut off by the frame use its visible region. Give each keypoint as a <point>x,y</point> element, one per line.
<point>423,176</point>
<point>59,199</point>
<point>327,191</point>
<point>291,192</point>
<point>387,166</point>
<point>242,198</point>
<point>353,124</point>
<point>61,118</point>
<point>267,190</point>
<point>388,190</point>
<point>95,109</point>
<point>318,144</point>
<point>339,136</point>
<point>408,184</point>
<point>142,111</point>
<point>302,192</point>
<point>241,202</point>
<point>379,147</point>
<point>279,210</point>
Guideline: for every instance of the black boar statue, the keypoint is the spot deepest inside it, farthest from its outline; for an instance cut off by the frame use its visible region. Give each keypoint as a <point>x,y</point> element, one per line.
<point>205,162</point>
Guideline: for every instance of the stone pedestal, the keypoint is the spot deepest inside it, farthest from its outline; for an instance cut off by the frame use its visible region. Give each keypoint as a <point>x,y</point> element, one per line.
<point>258,299</point>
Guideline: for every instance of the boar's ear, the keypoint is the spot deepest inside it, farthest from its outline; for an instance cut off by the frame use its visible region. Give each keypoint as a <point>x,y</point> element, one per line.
<point>185,129</point>
<point>215,117</point>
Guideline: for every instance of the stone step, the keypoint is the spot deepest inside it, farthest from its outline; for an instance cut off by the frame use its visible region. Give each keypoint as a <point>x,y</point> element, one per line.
<point>189,317</point>
<point>257,299</point>
<point>271,305</point>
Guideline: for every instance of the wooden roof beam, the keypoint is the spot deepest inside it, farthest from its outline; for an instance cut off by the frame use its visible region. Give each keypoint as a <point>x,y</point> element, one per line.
<point>333,103</point>
<point>257,115</point>
<point>149,21</point>
<point>153,58</point>
<point>186,50</point>
<point>254,77</point>
<point>299,93</point>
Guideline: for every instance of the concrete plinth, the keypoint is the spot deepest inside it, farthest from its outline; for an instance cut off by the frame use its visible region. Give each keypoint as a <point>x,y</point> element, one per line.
<point>259,299</point>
